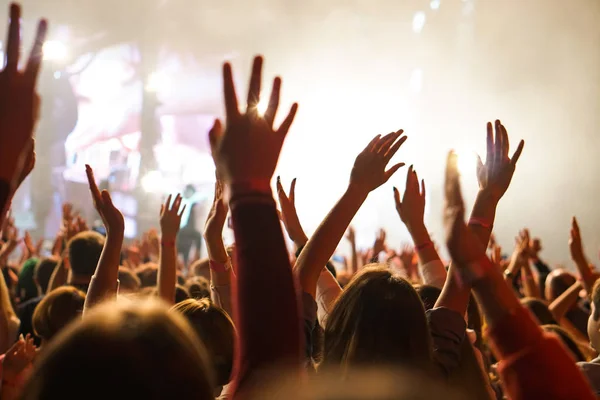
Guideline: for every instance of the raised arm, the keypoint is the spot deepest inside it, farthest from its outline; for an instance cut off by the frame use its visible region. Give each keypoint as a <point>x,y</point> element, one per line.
<point>170,217</point>
<point>516,339</point>
<point>411,209</point>
<point>219,262</point>
<point>369,172</point>
<point>578,256</point>
<point>105,280</point>
<point>494,178</point>
<point>246,155</point>
<point>18,108</point>
<point>351,237</point>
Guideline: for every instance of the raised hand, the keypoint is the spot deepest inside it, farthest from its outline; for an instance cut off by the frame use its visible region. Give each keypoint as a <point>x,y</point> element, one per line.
<point>351,235</point>
<point>369,171</point>
<point>217,216</point>
<point>111,216</point>
<point>463,245</point>
<point>495,175</point>
<point>289,216</point>
<point>248,149</point>
<point>522,249</point>
<point>575,243</point>
<point>411,208</point>
<point>379,244</point>
<point>18,100</point>
<point>31,249</point>
<point>170,217</point>
<point>18,357</point>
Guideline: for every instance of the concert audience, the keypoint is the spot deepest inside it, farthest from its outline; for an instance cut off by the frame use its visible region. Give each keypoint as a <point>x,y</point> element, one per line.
<point>99,320</point>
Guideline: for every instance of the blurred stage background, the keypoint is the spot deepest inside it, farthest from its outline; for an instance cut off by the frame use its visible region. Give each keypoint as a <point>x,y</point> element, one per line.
<point>132,87</point>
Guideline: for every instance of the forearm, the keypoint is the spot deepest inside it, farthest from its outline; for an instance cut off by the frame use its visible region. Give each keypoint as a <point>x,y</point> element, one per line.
<point>328,290</point>
<point>455,294</point>
<point>104,283</point>
<point>530,285</point>
<point>326,238</point>
<point>217,253</point>
<point>563,303</point>
<point>167,270</point>
<point>586,274</point>
<point>264,279</point>
<point>431,268</point>
<point>482,216</point>
<point>353,258</point>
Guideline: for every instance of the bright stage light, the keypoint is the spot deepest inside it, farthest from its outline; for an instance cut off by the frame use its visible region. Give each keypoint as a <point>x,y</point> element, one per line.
<point>153,182</point>
<point>55,51</point>
<point>434,4</point>
<point>158,82</point>
<point>467,162</point>
<point>262,106</point>
<point>418,21</point>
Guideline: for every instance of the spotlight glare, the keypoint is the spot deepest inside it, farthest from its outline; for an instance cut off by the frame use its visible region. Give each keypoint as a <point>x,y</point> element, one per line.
<point>54,51</point>
<point>434,4</point>
<point>418,21</point>
<point>152,182</point>
<point>262,106</point>
<point>467,162</point>
<point>158,82</point>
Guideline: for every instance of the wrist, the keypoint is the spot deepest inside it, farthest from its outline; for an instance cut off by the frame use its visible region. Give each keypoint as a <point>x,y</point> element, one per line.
<point>251,186</point>
<point>487,194</point>
<point>356,191</point>
<point>419,233</point>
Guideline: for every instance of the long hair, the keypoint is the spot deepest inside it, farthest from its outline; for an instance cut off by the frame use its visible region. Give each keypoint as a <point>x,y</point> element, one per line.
<point>378,319</point>
<point>124,350</point>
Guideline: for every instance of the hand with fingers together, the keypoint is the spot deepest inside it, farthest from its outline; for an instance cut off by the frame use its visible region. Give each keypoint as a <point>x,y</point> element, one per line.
<point>369,171</point>
<point>18,358</point>
<point>411,208</point>
<point>463,245</point>
<point>289,216</point>
<point>495,175</point>
<point>111,216</point>
<point>246,151</point>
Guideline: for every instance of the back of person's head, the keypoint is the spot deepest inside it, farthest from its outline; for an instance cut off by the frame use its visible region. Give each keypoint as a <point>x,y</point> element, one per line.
<point>428,294</point>
<point>128,281</point>
<point>378,319</point>
<point>56,310</point>
<point>539,309</point>
<point>593,328</point>
<point>215,329</point>
<point>200,268</point>
<point>557,282</point>
<point>124,350</point>
<point>566,338</point>
<point>181,294</point>
<point>148,274</point>
<point>198,287</point>
<point>84,252</point>
<point>27,289</point>
<point>43,272</point>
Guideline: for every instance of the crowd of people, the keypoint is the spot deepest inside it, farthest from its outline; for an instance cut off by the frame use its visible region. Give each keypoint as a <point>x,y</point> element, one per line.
<point>100,319</point>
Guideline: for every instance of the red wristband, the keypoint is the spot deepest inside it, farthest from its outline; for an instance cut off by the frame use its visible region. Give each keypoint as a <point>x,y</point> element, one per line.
<point>167,243</point>
<point>219,267</point>
<point>423,245</point>
<point>480,222</point>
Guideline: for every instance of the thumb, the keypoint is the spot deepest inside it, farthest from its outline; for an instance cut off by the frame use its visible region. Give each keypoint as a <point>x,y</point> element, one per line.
<point>392,171</point>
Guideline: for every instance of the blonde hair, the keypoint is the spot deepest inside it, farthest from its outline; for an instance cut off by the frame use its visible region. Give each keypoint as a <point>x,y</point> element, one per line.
<point>56,310</point>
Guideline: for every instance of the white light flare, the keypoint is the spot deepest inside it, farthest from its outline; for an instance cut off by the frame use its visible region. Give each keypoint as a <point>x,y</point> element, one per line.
<point>153,182</point>
<point>418,21</point>
<point>435,4</point>
<point>55,51</point>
